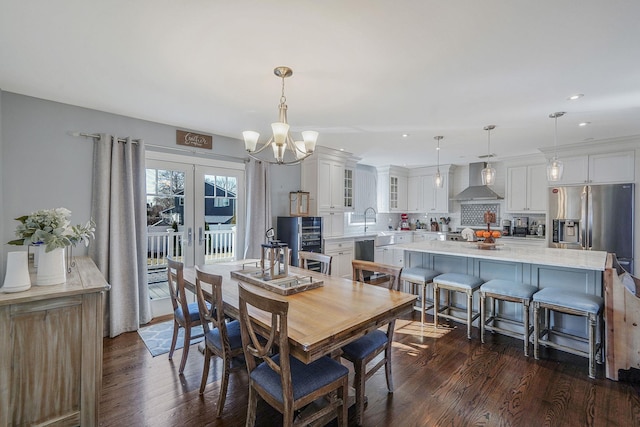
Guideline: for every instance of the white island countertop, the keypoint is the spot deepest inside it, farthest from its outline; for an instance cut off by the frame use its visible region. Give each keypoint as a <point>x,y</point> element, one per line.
<point>569,258</point>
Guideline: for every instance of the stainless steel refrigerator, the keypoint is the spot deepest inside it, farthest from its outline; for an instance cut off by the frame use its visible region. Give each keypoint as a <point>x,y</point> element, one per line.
<point>593,217</point>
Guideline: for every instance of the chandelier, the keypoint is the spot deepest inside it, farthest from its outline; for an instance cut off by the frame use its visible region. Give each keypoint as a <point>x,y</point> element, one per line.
<point>555,166</point>
<point>489,173</point>
<point>281,141</point>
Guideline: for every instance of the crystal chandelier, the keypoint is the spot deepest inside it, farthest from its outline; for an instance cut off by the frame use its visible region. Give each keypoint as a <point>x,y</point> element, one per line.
<point>489,173</point>
<point>438,179</point>
<point>281,140</point>
<point>555,166</point>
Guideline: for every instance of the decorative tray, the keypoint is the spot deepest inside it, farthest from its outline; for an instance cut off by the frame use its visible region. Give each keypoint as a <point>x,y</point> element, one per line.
<point>291,284</point>
<point>483,245</point>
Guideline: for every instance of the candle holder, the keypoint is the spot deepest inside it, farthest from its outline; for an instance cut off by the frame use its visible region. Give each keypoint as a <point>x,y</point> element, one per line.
<point>274,251</point>
<point>17,278</point>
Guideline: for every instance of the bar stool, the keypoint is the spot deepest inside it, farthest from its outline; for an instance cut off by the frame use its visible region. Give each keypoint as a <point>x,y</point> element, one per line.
<point>418,276</point>
<point>506,290</point>
<point>456,282</point>
<point>574,303</point>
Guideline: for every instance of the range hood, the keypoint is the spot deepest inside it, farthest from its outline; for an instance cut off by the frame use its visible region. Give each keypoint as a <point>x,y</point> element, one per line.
<point>477,191</point>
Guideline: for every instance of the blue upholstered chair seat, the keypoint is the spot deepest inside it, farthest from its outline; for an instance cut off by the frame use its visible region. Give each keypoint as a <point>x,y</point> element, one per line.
<point>509,288</point>
<point>233,331</point>
<point>569,299</point>
<point>304,378</point>
<point>194,314</point>
<point>463,281</point>
<point>418,274</point>
<point>364,346</point>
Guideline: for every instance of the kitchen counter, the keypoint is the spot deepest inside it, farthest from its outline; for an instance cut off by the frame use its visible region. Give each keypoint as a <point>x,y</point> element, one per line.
<point>586,260</point>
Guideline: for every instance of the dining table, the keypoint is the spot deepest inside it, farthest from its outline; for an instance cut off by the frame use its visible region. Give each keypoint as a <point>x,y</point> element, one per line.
<point>320,320</point>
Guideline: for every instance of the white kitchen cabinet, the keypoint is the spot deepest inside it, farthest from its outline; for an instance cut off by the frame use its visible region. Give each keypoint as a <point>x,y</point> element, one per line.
<point>390,256</point>
<point>332,223</point>
<point>414,194</point>
<point>349,189</point>
<point>392,189</point>
<point>435,199</point>
<point>341,252</point>
<point>603,168</point>
<point>527,189</point>
<point>323,176</point>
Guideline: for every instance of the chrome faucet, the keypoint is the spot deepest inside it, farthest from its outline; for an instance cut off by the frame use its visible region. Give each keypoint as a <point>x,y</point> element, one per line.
<point>365,217</point>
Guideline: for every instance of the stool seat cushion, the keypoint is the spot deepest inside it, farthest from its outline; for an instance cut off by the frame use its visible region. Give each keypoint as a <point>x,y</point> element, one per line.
<point>418,274</point>
<point>573,300</point>
<point>509,288</point>
<point>463,281</point>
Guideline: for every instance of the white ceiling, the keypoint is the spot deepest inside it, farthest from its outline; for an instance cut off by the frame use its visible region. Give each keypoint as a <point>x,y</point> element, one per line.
<point>365,71</point>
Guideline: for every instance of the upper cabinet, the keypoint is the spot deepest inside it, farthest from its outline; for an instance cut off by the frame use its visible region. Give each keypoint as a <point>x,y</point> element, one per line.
<point>423,195</point>
<point>324,177</point>
<point>349,186</point>
<point>392,189</point>
<point>604,168</point>
<point>527,188</point>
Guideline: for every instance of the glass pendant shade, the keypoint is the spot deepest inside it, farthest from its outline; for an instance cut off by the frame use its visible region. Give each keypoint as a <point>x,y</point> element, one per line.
<point>310,137</point>
<point>280,131</point>
<point>278,151</point>
<point>300,149</point>
<point>554,169</point>
<point>438,180</point>
<point>250,139</point>
<point>488,175</point>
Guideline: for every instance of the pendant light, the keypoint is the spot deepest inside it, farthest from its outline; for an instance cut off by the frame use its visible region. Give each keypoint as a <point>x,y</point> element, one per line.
<point>438,179</point>
<point>555,166</point>
<point>489,173</point>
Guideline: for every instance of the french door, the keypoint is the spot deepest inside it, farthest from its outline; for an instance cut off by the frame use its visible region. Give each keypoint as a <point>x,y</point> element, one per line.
<point>195,213</point>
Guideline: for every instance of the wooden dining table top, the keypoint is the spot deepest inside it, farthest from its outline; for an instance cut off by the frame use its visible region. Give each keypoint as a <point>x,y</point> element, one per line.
<point>320,320</point>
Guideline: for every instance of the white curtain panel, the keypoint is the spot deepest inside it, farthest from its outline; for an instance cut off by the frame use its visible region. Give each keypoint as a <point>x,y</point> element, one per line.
<point>118,207</point>
<point>258,208</point>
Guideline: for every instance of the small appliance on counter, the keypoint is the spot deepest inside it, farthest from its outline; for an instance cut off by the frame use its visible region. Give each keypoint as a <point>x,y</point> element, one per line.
<point>506,227</point>
<point>521,226</point>
<point>404,222</point>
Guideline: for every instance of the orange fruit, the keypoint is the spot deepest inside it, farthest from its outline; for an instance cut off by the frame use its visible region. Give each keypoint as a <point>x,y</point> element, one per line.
<point>486,234</point>
<point>479,233</point>
<point>496,234</point>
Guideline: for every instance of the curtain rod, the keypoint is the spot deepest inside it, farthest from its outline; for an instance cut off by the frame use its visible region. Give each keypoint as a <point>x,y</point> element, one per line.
<point>184,150</point>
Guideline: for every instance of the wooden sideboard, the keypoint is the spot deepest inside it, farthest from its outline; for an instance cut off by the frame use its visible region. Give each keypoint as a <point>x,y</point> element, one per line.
<point>51,351</point>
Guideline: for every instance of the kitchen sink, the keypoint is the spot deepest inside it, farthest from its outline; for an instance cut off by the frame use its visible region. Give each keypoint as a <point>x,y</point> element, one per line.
<point>383,238</point>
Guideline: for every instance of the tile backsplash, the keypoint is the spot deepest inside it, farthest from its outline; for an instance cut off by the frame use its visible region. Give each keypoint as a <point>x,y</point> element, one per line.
<point>473,214</point>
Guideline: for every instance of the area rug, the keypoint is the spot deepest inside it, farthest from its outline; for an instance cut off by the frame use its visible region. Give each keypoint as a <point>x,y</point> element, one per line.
<point>157,337</point>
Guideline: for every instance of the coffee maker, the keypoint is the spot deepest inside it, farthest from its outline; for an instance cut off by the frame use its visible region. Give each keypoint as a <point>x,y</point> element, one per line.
<point>506,227</point>
<point>521,226</point>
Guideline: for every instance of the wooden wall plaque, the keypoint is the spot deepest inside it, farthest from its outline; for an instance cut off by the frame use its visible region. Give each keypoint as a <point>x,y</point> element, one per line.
<point>192,139</point>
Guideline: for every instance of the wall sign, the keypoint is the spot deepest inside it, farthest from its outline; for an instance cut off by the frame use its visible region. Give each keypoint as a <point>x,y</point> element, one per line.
<point>196,140</point>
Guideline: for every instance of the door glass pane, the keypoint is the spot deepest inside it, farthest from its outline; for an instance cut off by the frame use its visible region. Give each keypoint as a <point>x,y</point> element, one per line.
<point>220,194</point>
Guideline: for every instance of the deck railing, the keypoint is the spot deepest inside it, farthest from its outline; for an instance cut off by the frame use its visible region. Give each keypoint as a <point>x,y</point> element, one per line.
<point>219,245</point>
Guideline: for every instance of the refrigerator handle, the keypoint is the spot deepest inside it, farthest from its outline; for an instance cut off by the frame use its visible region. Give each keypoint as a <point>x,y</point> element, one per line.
<point>583,219</point>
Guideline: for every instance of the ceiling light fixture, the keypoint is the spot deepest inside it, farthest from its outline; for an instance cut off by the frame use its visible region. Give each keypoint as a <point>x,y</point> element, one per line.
<point>281,140</point>
<point>555,166</point>
<point>583,124</point>
<point>489,173</point>
<point>574,97</point>
<point>438,179</point>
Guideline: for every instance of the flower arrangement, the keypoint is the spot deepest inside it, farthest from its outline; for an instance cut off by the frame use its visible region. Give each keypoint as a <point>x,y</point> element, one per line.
<point>52,228</point>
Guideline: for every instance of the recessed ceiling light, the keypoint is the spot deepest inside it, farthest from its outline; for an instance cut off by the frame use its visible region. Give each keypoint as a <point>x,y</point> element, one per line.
<point>576,96</point>
<point>405,135</point>
<point>342,149</point>
<point>583,124</point>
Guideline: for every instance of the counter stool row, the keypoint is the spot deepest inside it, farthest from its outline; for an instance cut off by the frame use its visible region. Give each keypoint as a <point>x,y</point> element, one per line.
<point>547,300</point>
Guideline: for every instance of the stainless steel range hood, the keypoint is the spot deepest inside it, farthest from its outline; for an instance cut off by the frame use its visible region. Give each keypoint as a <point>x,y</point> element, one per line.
<point>477,191</point>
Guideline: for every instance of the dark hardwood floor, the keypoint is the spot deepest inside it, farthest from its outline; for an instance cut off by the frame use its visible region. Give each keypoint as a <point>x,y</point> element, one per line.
<point>440,378</point>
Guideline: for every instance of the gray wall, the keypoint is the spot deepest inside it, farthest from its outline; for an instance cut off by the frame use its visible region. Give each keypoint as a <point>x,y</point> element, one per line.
<point>43,166</point>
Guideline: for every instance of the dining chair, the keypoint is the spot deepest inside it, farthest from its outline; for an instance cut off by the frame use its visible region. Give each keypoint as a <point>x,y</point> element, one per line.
<point>221,338</point>
<point>311,259</point>
<point>284,382</point>
<point>185,315</point>
<point>363,350</point>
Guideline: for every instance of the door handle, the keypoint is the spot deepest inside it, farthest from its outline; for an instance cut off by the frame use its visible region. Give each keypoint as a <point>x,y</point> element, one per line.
<point>189,236</point>
<point>582,227</point>
<point>200,236</point>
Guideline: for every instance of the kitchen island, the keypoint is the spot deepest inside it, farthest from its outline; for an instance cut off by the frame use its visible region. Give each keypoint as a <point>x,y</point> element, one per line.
<point>575,270</point>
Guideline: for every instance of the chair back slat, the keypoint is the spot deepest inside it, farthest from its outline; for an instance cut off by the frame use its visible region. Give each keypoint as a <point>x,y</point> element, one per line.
<point>175,279</point>
<point>382,273</point>
<point>307,259</point>
<point>212,315</point>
